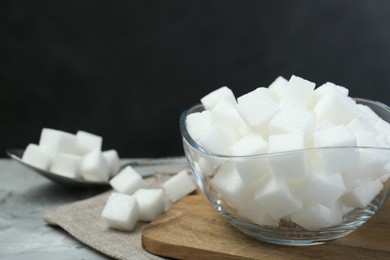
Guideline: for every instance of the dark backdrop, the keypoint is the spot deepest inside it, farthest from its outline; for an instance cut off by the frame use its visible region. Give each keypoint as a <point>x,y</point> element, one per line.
<point>126,69</point>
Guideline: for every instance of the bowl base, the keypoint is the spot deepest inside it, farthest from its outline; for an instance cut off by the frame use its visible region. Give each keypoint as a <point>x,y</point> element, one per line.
<point>288,235</point>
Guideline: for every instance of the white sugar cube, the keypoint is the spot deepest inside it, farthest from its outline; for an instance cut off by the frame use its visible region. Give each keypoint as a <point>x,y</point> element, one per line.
<point>361,124</point>
<point>383,172</point>
<point>382,141</point>
<point>382,127</point>
<point>57,141</point>
<point>366,110</point>
<point>325,189</point>
<point>228,185</point>
<point>298,92</point>
<point>325,89</point>
<point>112,159</point>
<point>37,156</point>
<point>339,135</point>
<point>94,167</point>
<point>217,140</point>
<point>288,165</point>
<point>198,124</point>
<point>87,142</point>
<point>336,108</point>
<point>66,165</point>
<point>127,181</point>
<point>371,162</point>
<point>385,177</point>
<point>250,168</point>
<point>365,138</point>
<point>362,195</point>
<point>276,199</point>
<point>179,186</point>
<point>315,216</point>
<point>324,125</point>
<point>251,211</point>
<point>249,145</point>
<point>121,211</point>
<point>211,99</point>
<point>279,86</point>
<point>150,202</point>
<point>339,159</point>
<point>257,108</point>
<point>227,117</point>
<point>292,119</point>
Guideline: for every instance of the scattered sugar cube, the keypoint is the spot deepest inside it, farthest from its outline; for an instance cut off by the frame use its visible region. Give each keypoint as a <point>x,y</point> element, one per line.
<point>362,195</point>
<point>257,108</point>
<point>210,100</point>
<point>217,140</point>
<point>293,119</point>
<point>127,181</point>
<point>276,199</point>
<point>298,92</point>
<point>66,165</point>
<point>179,186</point>
<point>94,167</point>
<point>150,202</point>
<point>112,159</point>
<point>87,142</point>
<point>198,124</point>
<point>279,86</point>
<point>57,141</point>
<point>288,165</point>
<point>336,108</point>
<point>37,156</point>
<point>325,189</point>
<point>315,216</point>
<point>121,211</point>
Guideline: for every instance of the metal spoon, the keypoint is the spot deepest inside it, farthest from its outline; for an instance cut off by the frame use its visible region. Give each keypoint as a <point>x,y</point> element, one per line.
<point>149,169</point>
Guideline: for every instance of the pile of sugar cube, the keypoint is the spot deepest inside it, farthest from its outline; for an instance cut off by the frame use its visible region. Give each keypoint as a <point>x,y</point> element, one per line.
<point>132,202</point>
<point>77,156</point>
<point>314,188</point>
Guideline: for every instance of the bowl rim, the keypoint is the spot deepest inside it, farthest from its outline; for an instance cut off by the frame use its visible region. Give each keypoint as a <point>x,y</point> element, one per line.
<point>199,107</point>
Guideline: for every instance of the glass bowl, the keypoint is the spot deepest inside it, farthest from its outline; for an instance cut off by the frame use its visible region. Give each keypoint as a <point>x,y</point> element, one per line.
<point>335,189</point>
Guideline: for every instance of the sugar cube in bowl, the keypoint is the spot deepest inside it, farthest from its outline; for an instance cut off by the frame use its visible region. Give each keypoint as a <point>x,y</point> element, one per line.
<point>313,168</point>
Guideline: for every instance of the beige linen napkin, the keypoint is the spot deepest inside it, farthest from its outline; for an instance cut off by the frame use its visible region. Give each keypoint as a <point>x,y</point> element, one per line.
<point>83,221</point>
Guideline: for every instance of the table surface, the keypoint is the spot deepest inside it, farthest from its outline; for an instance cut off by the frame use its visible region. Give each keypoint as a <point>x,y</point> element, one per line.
<point>26,196</point>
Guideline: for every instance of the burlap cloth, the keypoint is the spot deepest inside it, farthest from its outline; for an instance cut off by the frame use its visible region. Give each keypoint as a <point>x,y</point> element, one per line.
<point>83,221</point>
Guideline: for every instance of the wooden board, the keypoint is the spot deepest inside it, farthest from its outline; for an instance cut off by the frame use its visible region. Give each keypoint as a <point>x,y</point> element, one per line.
<point>192,229</point>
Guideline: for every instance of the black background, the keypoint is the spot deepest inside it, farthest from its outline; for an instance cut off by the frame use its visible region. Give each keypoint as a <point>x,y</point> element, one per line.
<point>126,69</point>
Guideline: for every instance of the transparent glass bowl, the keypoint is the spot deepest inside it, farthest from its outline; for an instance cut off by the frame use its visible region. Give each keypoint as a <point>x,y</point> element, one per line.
<point>291,211</point>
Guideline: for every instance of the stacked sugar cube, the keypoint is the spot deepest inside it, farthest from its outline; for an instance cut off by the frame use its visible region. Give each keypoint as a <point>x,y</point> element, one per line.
<point>314,188</point>
<point>77,156</point>
<point>132,202</point>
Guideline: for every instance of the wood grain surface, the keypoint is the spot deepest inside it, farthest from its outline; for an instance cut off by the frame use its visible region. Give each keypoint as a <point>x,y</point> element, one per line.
<point>192,229</point>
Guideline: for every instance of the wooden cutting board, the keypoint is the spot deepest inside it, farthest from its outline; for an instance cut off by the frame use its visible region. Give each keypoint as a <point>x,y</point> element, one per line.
<point>192,229</point>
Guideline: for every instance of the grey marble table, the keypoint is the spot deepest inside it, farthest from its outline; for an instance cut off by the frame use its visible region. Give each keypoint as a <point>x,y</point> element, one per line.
<point>26,196</point>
